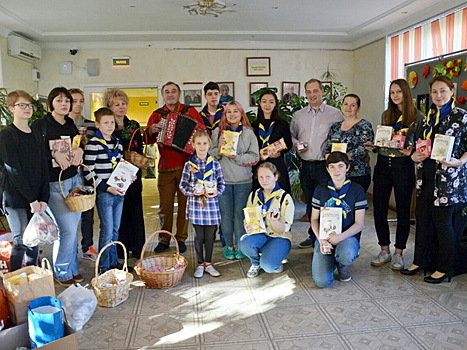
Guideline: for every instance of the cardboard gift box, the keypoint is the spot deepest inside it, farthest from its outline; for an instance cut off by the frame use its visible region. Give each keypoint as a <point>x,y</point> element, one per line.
<point>383,135</point>
<point>229,148</point>
<point>339,147</point>
<point>330,222</point>
<point>442,147</point>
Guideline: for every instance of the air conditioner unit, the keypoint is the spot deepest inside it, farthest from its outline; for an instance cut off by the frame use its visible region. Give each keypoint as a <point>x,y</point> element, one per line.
<point>23,49</point>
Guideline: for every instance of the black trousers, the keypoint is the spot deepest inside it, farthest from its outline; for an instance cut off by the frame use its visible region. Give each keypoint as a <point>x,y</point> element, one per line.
<point>389,173</point>
<point>204,240</point>
<point>87,223</point>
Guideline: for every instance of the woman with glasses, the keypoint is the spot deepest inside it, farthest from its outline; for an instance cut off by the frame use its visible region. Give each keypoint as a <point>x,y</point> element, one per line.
<point>441,187</point>
<point>27,180</point>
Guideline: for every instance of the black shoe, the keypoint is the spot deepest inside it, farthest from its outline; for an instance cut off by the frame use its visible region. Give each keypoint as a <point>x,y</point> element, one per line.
<point>161,247</point>
<point>413,272</point>
<point>432,280</point>
<point>181,247</point>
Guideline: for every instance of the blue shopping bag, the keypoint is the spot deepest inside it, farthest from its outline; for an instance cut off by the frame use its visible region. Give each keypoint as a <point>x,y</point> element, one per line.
<point>45,321</point>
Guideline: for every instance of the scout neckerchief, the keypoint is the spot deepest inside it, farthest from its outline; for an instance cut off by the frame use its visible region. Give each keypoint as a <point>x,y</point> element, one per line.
<point>435,116</point>
<point>112,154</point>
<point>338,198</point>
<point>201,177</point>
<point>398,124</point>
<point>265,135</point>
<point>265,204</point>
<point>217,117</point>
<point>239,128</point>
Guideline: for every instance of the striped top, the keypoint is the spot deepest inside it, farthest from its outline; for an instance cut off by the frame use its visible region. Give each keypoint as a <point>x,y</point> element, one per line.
<point>97,160</point>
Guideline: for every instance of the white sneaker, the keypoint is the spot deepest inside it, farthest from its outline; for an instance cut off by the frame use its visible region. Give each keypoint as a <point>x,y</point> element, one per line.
<point>199,271</point>
<point>383,258</point>
<point>397,262</point>
<point>279,269</point>
<point>253,271</point>
<point>212,271</point>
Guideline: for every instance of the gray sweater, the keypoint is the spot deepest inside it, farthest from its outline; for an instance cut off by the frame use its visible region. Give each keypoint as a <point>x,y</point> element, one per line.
<point>237,170</point>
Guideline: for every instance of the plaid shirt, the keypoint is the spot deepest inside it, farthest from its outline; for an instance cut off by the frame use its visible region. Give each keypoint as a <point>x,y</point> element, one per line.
<point>209,214</point>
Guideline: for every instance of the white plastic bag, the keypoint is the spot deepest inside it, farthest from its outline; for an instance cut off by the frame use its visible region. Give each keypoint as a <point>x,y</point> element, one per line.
<point>41,230</point>
<point>79,304</point>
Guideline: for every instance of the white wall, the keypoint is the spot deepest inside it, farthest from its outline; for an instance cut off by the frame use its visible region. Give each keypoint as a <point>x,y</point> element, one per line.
<point>16,73</point>
<point>160,65</point>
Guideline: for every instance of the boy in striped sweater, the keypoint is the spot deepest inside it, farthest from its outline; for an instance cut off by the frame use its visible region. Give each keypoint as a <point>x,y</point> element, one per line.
<point>101,155</point>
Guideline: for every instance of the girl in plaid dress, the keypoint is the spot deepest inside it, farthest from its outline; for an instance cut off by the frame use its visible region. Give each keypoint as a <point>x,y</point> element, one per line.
<point>203,182</point>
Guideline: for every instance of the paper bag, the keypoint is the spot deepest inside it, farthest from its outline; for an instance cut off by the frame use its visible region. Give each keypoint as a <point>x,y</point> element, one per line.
<point>45,321</point>
<point>19,291</point>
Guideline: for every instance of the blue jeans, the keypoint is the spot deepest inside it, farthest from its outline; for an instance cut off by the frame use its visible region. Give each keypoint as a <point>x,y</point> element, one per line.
<point>65,248</point>
<point>231,205</point>
<point>273,250</point>
<point>18,219</point>
<point>343,254</point>
<point>109,208</point>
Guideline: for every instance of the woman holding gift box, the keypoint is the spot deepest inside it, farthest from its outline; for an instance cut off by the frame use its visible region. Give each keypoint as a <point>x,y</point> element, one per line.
<point>269,127</point>
<point>354,132</point>
<point>441,186</point>
<point>236,162</point>
<point>395,169</point>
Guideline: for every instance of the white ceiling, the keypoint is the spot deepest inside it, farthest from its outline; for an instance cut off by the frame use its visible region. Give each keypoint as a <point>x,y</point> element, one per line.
<point>255,24</point>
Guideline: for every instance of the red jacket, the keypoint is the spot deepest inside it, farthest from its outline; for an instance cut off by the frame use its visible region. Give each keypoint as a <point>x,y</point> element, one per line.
<point>170,159</point>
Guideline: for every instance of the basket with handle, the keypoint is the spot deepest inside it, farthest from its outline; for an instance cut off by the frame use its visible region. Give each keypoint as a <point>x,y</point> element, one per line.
<point>81,203</point>
<point>140,160</point>
<point>112,287</point>
<point>162,270</point>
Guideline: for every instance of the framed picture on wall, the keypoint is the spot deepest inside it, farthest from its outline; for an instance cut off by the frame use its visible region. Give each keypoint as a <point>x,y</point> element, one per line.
<point>290,90</point>
<point>422,102</point>
<point>227,89</point>
<point>327,86</point>
<point>192,97</point>
<point>258,66</point>
<point>253,88</point>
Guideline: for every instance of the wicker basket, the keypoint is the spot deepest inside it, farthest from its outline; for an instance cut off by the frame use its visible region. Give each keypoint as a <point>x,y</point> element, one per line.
<point>173,266</point>
<point>140,160</point>
<point>79,204</point>
<point>117,293</point>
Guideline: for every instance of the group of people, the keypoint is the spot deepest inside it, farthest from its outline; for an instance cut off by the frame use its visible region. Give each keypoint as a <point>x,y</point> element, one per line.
<point>212,187</point>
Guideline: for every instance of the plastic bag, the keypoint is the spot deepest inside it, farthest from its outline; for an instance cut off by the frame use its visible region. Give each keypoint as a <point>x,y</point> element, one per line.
<point>42,229</point>
<point>79,304</point>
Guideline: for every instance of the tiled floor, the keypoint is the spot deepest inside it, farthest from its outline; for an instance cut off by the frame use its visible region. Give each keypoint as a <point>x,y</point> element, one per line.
<point>377,309</point>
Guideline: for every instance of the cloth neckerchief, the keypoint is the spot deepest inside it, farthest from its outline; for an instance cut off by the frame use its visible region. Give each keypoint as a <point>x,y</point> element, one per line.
<point>112,154</point>
<point>208,170</point>
<point>398,124</point>
<point>265,204</point>
<point>338,197</point>
<point>239,128</point>
<point>435,116</point>
<point>217,117</point>
<point>265,135</point>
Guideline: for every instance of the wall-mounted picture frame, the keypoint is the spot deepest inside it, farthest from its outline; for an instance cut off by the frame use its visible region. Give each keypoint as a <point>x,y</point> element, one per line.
<point>227,91</point>
<point>290,90</point>
<point>258,66</point>
<point>327,86</point>
<point>192,97</point>
<point>423,102</point>
<point>253,88</point>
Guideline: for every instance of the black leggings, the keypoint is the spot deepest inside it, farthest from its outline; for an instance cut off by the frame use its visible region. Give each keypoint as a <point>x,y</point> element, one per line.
<point>204,237</point>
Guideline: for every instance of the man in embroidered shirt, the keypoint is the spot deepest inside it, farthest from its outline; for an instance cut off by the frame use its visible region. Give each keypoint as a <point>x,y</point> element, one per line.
<point>212,111</point>
<point>171,164</point>
<point>310,126</point>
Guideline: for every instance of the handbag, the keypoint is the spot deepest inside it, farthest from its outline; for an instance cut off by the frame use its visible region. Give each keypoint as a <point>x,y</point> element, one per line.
<point>25,284</point>
<point>45,321</point>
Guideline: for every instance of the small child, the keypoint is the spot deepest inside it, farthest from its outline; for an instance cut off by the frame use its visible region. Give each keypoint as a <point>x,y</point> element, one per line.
<point>350,196</point>
<point>268,250</point>
<point>203,182</point>
<point>101,155</point>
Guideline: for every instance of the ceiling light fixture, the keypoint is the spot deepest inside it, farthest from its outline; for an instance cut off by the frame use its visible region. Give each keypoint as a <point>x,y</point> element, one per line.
<point>208,8</point>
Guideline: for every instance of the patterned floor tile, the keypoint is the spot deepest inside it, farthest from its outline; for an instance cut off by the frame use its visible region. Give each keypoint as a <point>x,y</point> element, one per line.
<point>388,339</point>
<point>284,294</point>
<point>386,285</point>
<point>442,337</point>
<point>219,327</point>
<point>454,302</point>
<point>178,300</point>
<point>233,300</point>
<point>342,291</point>
<point>106,333</point>
<point>240,346</point>
<point>357,315</point>
<point>416,310</point>
<point>323,342</point>
<point>163,329</point>
<point>231,274</point>
<point>297,320</point>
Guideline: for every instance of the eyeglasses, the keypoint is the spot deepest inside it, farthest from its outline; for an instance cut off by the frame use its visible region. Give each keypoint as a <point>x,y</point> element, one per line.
<point>25,105</point>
